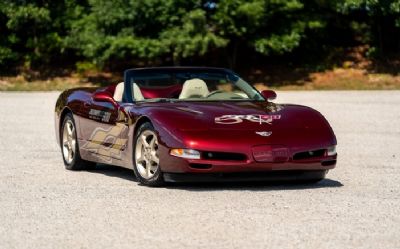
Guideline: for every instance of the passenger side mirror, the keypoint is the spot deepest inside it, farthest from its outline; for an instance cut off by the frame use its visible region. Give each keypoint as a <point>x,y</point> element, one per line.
<point>268,95</point>
<point>104,97</point>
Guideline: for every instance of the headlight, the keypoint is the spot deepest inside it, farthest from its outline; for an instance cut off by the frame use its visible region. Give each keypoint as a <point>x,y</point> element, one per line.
<point>185,153</point>
<point>331,151</point>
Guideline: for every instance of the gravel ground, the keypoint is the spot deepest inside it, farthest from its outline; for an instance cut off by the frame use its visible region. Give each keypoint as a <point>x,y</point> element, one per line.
<point>42,205</point>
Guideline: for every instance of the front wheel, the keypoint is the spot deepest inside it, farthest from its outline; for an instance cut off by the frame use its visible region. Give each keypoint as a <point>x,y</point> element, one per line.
<point>146,159</point>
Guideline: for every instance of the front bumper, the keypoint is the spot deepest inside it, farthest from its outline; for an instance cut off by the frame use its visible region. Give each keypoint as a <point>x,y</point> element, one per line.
<point>179,165</point>
<point>172,164</point>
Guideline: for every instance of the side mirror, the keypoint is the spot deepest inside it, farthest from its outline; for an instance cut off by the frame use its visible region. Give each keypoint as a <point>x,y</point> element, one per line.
<point>268,95</point>
<point>104,97</point>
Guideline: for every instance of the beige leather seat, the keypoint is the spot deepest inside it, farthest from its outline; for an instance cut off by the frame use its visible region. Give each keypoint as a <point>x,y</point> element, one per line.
<point>119,92</point>
<point>137,94</point>
<point>194,88</point>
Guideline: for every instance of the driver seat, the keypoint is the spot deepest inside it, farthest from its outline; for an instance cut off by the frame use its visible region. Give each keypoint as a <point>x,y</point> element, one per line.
<point>194,88</point>
<point>119,92</point>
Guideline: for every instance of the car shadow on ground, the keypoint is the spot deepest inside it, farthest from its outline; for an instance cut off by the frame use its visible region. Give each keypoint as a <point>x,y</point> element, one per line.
<point>114,171</point>
<point>255,186</point>
<point>127,174</point>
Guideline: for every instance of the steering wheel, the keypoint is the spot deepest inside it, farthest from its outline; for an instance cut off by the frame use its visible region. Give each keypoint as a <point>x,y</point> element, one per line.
<point>214,92</point>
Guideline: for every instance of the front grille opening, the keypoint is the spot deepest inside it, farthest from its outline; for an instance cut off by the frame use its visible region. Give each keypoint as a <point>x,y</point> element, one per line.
<point>225,156</point>
<point>309,154</point>
<point>200,166</point>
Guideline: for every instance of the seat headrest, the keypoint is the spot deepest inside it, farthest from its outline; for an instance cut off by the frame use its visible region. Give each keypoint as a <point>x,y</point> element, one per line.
<point>194,88</point>
<point>137,93</point>
<point>119,92</point>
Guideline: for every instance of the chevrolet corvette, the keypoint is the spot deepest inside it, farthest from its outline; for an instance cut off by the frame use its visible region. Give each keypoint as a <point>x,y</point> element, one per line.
<point>174,124</point>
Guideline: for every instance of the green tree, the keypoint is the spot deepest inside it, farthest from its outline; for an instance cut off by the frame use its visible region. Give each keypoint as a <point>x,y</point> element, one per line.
<point>382,18</point>
<point>140,32</point>
<point>32,31</point>
<point>141,29</point>
<point>267,26</point>
<point>180,29</point>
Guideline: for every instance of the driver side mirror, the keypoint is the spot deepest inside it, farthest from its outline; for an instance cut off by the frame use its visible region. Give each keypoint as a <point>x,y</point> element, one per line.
<point>104,97</point>
<point>268,95</point>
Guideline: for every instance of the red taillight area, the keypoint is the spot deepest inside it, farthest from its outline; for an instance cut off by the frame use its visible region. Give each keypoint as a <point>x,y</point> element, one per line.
<point>270,153</point>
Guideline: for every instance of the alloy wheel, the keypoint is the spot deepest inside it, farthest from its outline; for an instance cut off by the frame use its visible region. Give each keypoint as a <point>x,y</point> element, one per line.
<point>146,154</point>
<point>69,141</point>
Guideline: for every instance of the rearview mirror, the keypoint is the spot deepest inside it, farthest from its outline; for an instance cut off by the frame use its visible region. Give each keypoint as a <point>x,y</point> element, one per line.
<point>268,95</point>
<point>104,97</point>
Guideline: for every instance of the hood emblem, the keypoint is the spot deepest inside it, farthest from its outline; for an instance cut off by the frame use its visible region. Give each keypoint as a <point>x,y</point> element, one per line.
<point>264,133</point>
<point>256,118</point>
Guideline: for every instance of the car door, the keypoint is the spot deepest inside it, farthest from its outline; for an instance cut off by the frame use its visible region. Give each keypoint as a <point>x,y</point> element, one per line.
<point>102,129</point>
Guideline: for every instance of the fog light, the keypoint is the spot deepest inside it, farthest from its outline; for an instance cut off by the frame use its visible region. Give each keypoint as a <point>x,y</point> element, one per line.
<point>331,151</point>
<point>185,153</point>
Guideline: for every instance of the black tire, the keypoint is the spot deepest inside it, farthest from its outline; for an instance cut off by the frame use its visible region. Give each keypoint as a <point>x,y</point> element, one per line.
<point>77,162</point>
<point>157,179</point>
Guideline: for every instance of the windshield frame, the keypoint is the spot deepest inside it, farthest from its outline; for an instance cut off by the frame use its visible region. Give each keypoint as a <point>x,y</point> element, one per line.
<point>130,74</point>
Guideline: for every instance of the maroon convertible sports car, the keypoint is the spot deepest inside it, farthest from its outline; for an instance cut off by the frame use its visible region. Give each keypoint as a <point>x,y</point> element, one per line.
<point>173,124</point>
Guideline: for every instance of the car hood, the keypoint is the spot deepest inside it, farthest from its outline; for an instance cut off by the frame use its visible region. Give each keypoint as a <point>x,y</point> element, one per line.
<point>232,115</point>
<point>249,122</point>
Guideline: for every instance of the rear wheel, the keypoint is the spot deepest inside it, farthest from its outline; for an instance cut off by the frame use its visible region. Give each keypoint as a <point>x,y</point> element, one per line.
<point>70,148</point>
<point>146,159</point>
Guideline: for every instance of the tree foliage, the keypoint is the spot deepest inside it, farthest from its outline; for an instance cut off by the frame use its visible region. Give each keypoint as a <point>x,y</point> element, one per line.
<point>41,32</point>
<point>381,19</point>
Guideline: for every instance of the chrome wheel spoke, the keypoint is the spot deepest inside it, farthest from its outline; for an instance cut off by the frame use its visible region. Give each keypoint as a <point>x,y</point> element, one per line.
<point>144,141</point>
<point>69,129</point>
<point>154,158</point>
<point>66,144</point>
<point>70,156</point>
<point>152,142</point>
<point>141,158</point>
<point>141,167</point>
<point>73,144</point>
<point>148,169</point>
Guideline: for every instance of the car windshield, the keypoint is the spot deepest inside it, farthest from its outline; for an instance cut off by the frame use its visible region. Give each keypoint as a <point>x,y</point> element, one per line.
<point>190,85</point>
